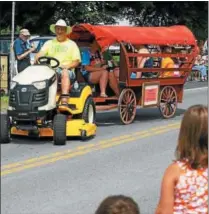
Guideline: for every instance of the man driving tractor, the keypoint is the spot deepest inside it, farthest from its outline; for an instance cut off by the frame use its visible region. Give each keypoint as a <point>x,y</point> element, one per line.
<point>64,50</point>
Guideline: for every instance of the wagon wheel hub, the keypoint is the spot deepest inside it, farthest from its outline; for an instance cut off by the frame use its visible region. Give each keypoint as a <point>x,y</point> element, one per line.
<point>131,107</point>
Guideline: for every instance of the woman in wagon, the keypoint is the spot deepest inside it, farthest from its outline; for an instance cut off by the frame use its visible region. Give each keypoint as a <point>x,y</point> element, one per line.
<point>142,62</point>
<point>184,186</point>
<point>96,72</point>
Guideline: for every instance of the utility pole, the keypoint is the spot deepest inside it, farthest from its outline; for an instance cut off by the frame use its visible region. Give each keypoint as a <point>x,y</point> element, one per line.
<point>12,72</point>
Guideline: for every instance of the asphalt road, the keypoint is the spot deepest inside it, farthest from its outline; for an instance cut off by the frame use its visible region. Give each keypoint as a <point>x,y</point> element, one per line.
<point>39,178</point>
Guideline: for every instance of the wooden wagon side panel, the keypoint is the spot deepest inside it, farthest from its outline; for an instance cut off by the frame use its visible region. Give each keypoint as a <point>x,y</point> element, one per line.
<point>123,67</point>
<point>179,90</point>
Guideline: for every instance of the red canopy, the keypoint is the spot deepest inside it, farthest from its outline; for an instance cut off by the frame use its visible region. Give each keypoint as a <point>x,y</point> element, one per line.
<point>109,35</point>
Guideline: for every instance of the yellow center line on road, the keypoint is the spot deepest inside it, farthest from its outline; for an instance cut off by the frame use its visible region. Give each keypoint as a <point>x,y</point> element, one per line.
<point>81,150</point>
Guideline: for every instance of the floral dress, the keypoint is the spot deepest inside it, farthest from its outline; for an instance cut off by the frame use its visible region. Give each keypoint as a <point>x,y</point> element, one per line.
<point>191,191</point>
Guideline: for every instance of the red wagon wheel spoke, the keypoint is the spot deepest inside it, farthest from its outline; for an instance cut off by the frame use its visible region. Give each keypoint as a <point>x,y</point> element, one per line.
<point>170,110</point>
<point>125,98</point>
<point>132,101</point>
<point>130,97</point>
<point>165,110</point>
<point>123,115</point>
<point>126,118</point>
<point>123,110</point>
<point>172,98</point>
<point>171,107</point>
<point>163,100</point>
<point>127,106</point>
<point>168,101</point>
<point>166,92</point>
<point>171,94</point>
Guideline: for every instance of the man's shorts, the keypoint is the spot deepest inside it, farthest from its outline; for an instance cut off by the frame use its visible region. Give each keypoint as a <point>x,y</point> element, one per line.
<point>71,73</point>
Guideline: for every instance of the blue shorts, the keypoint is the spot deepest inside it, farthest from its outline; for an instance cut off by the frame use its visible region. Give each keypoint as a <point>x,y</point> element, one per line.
<point>71,73</point>
<point>133,75</point>
<point>85,75</point>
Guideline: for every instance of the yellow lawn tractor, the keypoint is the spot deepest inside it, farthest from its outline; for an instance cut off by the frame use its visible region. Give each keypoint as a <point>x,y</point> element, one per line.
<point>35,109</point>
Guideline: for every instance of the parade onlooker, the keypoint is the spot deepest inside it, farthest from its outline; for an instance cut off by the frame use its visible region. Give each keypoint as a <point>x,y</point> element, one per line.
<point>184,187</point>
<point>205,48</point>
<point>22,50</point>
<point>199,66</point>
<point>118,204</point>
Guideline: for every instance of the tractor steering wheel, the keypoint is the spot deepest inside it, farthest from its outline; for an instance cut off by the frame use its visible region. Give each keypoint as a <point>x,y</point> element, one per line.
<point>46,60</point>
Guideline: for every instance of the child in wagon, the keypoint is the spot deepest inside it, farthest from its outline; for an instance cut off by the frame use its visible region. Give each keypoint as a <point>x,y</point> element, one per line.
<point>184,187</point>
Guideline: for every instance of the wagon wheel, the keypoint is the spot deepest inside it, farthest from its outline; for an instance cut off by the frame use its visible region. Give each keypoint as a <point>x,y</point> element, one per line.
<point>127,106</point>
<point>168,102</point>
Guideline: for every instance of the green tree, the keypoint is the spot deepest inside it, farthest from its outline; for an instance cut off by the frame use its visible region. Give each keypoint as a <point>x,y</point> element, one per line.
<point>192,14</point>
<point>37,16</point>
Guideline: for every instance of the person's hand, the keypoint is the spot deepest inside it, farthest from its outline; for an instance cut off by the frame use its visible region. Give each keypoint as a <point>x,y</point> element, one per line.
<point>32,49</point>
<point>63,67</point>
<point>105,66</point>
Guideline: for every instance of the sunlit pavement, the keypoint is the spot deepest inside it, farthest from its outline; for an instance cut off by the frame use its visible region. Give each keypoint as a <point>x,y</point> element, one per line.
<point>39,178</point>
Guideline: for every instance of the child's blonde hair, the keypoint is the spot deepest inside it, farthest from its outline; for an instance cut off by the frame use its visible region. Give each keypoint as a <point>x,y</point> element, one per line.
<point>193,137</point>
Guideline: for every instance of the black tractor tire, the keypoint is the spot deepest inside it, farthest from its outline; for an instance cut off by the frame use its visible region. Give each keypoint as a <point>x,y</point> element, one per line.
<point>83,135</point>
<point>2,93</point>
<point>4,129</point>
<point>89,106</point>
<point>59,127</point>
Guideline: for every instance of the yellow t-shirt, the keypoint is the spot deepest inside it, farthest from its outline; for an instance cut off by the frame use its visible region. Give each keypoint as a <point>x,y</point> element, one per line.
<point>167,62</point>
<point>66,52</point>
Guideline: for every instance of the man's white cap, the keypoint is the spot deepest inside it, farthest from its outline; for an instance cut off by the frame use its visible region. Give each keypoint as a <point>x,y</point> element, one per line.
<point>61,23</point>
<point>25,32</point>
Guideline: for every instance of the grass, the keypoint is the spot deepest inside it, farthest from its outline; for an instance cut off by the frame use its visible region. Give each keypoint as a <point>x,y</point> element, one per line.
<point>4,103</point>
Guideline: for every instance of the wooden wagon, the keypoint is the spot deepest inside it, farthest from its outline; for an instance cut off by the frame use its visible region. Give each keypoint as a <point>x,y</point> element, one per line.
<point>155,90</point>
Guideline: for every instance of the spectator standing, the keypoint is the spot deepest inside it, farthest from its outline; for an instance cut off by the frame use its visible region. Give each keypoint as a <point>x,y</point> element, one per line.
<point>199,66</point>
<point>22,50</point>
<point>184,187</point>
<point>205,48</point>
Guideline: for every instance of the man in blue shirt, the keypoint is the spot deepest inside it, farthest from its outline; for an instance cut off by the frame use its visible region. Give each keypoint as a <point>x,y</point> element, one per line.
<point>22,50</point>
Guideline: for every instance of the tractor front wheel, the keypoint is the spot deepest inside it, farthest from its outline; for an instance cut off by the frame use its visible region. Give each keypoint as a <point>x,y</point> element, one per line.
<point>59,127</point>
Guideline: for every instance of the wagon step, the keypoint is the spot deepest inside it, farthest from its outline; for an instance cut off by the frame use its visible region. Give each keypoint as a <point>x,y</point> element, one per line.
<point>103,99</point>
<point>106,107</point>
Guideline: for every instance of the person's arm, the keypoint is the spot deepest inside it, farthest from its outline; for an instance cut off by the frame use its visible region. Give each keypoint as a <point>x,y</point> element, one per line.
<point>90,68</point>
<point>43,51</point>
<point>19,52</point>
<point>170,178</point>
